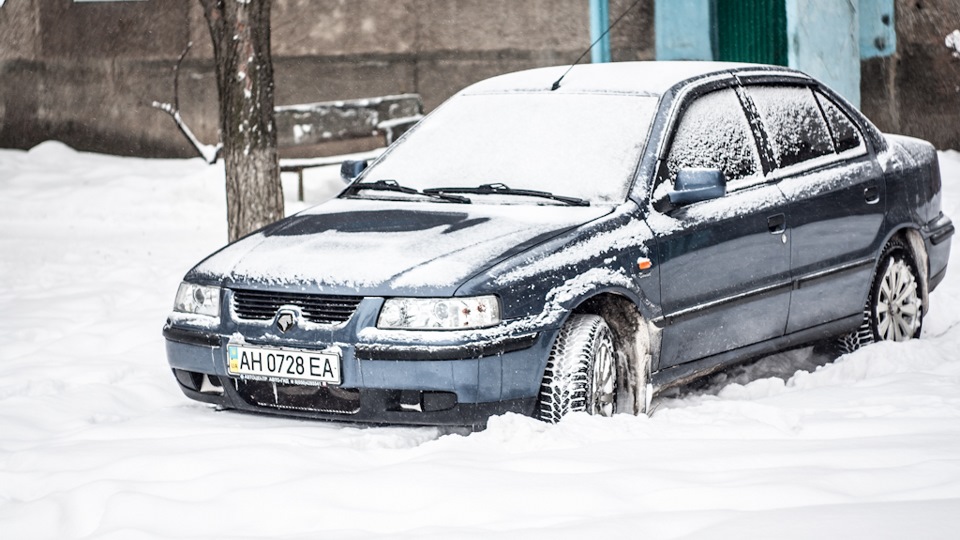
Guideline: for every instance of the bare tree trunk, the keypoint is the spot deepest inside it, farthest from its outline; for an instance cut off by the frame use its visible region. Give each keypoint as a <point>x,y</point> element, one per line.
<point>240,31</point>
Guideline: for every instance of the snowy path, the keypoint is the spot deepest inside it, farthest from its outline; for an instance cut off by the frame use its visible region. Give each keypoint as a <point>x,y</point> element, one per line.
<point>97,442</point>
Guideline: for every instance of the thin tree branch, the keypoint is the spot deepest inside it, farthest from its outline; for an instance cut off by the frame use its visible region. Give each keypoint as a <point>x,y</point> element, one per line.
<point>208,152</point>
<point>176,75</point>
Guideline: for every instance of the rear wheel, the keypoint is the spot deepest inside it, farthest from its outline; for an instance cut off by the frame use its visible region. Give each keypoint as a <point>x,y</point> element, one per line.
<point>894,310</point>
<point>897,308</point>
<point>581,372</point>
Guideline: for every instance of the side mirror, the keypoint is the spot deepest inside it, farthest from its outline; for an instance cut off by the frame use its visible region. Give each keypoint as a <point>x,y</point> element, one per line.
<point>695,185</point>
<point>351,169</point>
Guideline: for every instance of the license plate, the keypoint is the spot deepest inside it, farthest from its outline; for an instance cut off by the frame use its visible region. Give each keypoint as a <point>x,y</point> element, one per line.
<point>284,365</point>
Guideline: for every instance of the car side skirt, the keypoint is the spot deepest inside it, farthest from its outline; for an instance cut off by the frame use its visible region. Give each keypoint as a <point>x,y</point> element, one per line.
<point>685,373</point>
<point>795,283</point>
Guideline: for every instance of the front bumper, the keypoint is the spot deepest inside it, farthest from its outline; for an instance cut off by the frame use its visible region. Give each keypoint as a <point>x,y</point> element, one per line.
<point>367,405</point>
<point>425,378</point>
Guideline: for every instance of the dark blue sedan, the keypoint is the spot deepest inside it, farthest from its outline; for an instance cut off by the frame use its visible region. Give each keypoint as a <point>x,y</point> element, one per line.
<point>547,249</point>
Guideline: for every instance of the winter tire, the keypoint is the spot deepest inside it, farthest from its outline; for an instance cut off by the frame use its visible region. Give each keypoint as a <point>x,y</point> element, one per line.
<point>581,372</point>
<point>894,310</point>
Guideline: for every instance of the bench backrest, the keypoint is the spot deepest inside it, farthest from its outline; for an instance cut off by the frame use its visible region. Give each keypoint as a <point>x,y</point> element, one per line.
<point>328,121</point>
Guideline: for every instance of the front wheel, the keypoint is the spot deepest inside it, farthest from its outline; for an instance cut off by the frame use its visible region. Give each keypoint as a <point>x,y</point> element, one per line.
<point>581,372</point>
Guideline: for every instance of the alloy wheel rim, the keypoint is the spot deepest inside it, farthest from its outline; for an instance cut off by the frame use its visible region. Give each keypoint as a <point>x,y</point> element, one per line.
<point>898,305</point>
<point>604,381</point>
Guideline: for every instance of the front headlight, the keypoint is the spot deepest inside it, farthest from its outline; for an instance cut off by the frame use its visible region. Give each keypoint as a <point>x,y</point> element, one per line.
<point>439,313</point>
<point>198,299</point>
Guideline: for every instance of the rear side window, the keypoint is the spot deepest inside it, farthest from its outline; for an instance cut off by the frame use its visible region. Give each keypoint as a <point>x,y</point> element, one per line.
<point>846,136</point>
<point>791,116</point>
<point>714,133</point>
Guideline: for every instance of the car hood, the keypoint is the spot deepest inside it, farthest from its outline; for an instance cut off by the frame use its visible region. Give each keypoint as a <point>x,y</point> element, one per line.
<point>349,246</point>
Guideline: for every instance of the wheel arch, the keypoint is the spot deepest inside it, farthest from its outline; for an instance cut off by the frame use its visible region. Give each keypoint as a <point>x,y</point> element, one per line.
<point>910,235</point>
<point>635,343</point>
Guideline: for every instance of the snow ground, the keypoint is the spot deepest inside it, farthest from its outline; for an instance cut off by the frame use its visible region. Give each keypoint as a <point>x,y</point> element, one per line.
<point>96,440</point>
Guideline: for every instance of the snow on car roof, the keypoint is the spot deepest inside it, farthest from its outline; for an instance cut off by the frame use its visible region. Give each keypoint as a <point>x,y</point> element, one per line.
<point>640,78</point>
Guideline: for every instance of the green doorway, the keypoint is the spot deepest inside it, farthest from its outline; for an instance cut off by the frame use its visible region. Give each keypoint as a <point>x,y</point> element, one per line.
<point>751,31</point>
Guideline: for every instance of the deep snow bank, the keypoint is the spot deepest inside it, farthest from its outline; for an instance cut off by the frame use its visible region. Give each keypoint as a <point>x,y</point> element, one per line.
<point>97,442</point>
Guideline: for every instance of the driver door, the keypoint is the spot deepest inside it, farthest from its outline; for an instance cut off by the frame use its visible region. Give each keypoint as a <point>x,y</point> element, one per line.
<point>724,262</point>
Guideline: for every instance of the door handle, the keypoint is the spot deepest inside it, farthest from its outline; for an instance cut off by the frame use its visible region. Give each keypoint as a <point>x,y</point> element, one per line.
<point>871,194</point>
<point>777,223</point>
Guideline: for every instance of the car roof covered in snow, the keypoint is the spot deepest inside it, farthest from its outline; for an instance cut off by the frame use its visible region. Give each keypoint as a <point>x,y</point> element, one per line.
<point>637,78</point>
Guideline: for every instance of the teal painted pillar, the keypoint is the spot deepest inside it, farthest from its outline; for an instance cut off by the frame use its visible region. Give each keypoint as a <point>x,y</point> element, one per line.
<point>685,29</point>
<point>878,30</point>
<point>599,22</point>
<point>823,40</point>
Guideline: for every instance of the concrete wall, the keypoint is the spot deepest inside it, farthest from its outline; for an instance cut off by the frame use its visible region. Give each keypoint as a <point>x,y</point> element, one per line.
<point>20,23</point>
<point>80,73</point>
<point>917,91</point>
<point>84,73</point>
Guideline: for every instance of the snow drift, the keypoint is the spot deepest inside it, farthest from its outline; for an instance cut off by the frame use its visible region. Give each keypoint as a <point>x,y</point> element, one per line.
<point>96,440</point>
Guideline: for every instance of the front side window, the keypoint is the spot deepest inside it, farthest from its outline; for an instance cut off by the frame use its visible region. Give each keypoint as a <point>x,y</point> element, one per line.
<point>713,133</point>
<point>792,119</point>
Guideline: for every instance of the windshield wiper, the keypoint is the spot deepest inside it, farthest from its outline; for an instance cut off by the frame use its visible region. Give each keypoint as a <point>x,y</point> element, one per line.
<point>503,189</point>
<point>392,185</point>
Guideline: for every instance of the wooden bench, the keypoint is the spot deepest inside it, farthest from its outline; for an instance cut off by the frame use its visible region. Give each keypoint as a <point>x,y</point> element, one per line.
<point>303,131</point>
<point>306,128</point>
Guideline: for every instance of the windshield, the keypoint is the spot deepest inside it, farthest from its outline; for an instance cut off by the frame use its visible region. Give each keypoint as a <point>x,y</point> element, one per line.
<point>575,145</point>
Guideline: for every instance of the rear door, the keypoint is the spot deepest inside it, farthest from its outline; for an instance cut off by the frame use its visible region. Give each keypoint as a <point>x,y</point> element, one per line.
<point>836,194</point>
<point>724,263</point>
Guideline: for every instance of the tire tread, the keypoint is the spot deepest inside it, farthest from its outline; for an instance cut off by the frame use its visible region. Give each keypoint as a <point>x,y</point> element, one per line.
<point>566,379</point>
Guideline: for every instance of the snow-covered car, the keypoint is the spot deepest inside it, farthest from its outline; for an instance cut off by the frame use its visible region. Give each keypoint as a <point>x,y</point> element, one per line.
<point>544,247</point>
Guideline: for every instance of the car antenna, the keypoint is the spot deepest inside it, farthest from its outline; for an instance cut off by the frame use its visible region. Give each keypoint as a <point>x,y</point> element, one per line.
<point>556,83</point>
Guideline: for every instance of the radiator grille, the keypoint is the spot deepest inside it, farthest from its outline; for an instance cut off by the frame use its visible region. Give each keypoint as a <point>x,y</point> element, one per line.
<point>317,308</point>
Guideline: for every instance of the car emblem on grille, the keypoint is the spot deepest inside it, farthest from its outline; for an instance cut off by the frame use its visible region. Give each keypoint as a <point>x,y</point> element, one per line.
<point>286,321</point>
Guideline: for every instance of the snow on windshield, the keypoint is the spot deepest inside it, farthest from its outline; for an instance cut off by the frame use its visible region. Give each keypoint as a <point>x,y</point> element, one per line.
<point>578,145</point>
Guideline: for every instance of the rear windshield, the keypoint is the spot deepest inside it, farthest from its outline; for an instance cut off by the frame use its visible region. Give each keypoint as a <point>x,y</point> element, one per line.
<point>576,145</point>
